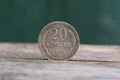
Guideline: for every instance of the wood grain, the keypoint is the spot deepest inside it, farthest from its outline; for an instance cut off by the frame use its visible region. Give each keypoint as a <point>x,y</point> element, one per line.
<point>24,61</point>
<point>85,52</point>
<point>19,69</point>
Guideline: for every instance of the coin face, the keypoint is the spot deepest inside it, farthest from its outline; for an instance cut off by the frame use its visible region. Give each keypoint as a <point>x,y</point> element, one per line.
<point>58,41</point>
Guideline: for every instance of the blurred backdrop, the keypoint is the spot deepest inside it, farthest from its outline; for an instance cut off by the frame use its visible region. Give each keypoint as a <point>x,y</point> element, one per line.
<point>97,21</point>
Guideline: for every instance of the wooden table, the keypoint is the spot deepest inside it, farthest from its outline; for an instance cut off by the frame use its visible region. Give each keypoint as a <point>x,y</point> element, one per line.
<point>23,61</point>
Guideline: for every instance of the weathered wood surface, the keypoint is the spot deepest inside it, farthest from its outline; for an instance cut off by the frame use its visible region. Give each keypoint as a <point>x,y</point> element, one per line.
<point>12,69</point>
<point>25,62</point>
<point>85,52</point>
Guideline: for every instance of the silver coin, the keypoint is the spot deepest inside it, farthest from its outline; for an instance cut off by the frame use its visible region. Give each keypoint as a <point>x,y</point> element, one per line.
<point>58,41</point>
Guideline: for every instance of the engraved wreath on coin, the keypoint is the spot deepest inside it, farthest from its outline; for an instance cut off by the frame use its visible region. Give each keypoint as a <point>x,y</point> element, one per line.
<point>58,41</point>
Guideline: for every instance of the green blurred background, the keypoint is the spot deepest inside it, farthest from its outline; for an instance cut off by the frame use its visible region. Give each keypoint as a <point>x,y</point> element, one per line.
<point>97,21</point>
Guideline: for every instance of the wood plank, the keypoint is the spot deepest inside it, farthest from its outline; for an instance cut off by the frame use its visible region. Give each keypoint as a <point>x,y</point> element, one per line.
<point>23,69</point>
<point>25,62</point>
<point>85,52</point>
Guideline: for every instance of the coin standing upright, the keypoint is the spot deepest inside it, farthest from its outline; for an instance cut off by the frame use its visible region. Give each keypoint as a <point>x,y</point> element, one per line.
<point>58,41</point>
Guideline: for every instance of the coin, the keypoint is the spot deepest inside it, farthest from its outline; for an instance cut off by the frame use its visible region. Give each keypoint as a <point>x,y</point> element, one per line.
<point>58,41</point>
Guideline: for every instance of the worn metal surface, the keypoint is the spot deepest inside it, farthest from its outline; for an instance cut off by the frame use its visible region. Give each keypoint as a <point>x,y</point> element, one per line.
<point>58,41</point>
